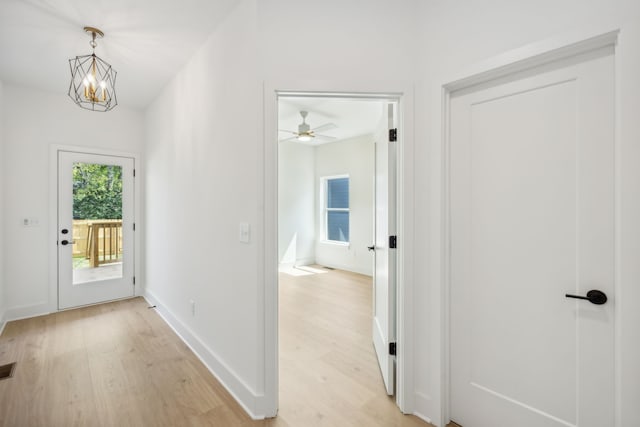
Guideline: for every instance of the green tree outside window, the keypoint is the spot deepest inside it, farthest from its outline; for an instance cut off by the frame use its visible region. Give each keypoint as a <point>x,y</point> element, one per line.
<point>97,191</point>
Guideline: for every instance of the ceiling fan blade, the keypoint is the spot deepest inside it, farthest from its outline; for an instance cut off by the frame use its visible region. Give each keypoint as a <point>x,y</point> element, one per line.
<point>327,126</point>
<point>287,131</point>
<point>293,138</point>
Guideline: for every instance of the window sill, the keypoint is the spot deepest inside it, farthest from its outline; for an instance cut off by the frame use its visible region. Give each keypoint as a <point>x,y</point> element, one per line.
<point>335,243</point>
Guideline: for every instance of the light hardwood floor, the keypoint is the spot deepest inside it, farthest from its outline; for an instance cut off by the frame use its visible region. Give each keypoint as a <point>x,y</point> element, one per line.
<point>119,364</point>
<point>329,374</point>
<point>115,364</point>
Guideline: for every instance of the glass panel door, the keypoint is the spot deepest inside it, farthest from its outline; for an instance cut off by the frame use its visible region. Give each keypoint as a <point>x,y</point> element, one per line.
<point>95,221</point>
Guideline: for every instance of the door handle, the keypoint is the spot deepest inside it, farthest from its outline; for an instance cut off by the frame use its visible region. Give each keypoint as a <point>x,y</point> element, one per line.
<point>66,242</point>
<point>371,248</point>
<point>594,296</point>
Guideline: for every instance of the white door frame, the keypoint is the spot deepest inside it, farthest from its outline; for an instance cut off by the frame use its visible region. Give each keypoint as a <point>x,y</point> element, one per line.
<point>518,61</point>
<point>268,262</point>
<point>53,216</point>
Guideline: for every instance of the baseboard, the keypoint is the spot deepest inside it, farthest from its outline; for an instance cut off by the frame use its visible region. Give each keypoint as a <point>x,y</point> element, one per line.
<point>26,311</point>
<point>299,262</point>
<point>422,404</point>
<point>3,322</point>
<point>305,261</point>
<point>346,267</point>
<point>244,395</point>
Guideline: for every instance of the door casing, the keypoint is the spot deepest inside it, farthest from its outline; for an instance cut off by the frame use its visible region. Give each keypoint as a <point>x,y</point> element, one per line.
<point>268,263</point>
<point>535,57</point>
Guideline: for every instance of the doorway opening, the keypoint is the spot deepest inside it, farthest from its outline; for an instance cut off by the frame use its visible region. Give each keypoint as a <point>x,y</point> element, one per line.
<point>337,277</point>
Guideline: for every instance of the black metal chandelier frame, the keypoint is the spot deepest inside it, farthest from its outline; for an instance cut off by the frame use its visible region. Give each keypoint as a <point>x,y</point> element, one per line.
<point>93,80</point>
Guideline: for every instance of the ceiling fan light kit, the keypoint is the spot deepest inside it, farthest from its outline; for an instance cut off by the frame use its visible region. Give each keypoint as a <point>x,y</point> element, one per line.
<point>93,80</point>
<point>304,130</point>
<point>306,134</point>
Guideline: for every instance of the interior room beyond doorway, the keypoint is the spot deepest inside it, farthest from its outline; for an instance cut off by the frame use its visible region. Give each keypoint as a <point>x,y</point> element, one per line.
<point>336,159</point>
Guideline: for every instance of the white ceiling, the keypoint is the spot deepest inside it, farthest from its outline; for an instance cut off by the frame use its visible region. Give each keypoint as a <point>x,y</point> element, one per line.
<point>353,117</point>
<point>146,41</point>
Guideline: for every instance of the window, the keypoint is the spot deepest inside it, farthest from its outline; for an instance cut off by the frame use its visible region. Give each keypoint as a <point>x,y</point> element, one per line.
<point>337,209</point>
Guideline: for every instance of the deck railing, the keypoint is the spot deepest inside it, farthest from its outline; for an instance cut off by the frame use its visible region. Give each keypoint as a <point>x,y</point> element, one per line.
<point>100,241</point>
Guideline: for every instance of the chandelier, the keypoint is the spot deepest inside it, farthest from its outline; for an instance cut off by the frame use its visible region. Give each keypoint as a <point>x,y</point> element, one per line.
<point>92,79</point>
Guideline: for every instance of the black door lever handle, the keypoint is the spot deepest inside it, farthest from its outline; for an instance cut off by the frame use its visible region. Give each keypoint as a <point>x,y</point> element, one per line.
<point>371,248</point>
<point>594,296</point>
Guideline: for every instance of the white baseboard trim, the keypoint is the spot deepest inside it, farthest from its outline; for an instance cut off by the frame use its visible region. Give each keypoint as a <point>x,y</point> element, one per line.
<point>346,267</point>
<point>422,403</point>
<point>297,263</point>
<point>26,311</point>
<point>305,261</point>
<point>241,392</point>
<point>3,322</point>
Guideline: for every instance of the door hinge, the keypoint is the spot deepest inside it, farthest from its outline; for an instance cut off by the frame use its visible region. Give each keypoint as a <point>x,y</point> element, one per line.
<point>393,135</point>
<point>392,349</point>
<point>134,280</point>
<point>393,242</point>
<point>134,226</point>
<point>134,173</point>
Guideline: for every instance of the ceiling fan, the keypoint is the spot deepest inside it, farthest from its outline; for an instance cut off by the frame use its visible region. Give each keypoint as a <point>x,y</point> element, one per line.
<point>306,134</point>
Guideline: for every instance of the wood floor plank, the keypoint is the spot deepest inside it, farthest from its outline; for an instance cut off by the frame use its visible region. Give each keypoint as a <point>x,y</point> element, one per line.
<point>119,364</point>
<point>329,374</point>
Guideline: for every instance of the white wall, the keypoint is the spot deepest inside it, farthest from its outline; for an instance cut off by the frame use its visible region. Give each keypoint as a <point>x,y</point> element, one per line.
<point>296,204</point>
<point>353,157</point>
<point>2,240</point>
<point>33,121</point>
<point>202,175</point>
<point>337,43</point>
<point>456,35</point>
<point>204,153</point>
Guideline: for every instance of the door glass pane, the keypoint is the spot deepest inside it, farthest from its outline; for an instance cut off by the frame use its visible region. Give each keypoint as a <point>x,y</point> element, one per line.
<point>97,222</point>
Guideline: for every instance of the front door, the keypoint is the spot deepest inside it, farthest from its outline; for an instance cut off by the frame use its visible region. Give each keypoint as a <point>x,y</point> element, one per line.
<point>95,228</point>
<point>532,228</point>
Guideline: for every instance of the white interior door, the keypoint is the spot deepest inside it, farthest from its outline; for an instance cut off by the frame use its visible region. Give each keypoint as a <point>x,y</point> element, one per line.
<point>95,228</point>
<point>384,278</point>
<point>532,219</point>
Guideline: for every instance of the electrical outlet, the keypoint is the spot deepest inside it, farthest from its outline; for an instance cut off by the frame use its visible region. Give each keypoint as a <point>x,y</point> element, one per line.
<point>193,307</point>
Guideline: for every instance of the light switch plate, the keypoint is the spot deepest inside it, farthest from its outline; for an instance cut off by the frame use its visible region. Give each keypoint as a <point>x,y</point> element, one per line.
<point>30,222</point>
